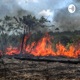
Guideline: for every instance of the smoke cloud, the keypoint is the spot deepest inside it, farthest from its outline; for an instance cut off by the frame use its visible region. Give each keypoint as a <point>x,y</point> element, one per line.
<point>53,10</point>
<point>12,7</point>
<point>68,21</point>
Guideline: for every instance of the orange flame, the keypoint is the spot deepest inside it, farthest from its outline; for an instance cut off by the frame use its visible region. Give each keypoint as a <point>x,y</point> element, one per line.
<point>44,48</point>
<point>10,50</point>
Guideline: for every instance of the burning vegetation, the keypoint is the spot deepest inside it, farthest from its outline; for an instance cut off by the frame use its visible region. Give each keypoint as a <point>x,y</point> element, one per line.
<point>14,42</point>
<point>37,55</point>
<point>44,47</point>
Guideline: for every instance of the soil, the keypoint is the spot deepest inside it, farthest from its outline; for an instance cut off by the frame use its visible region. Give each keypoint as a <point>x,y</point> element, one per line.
<point>13,69</point>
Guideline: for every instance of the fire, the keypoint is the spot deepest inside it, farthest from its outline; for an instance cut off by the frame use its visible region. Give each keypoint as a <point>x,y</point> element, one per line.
<point>62,51</point>
<point>44,47</point>
<point>10,50</point>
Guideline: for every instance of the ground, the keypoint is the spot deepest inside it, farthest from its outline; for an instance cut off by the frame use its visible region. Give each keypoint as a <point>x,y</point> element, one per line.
<point>30,70</point>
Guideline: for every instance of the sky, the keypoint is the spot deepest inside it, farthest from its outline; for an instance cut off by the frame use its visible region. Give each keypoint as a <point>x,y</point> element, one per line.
<point>53,10</point>
<point>45,8</point>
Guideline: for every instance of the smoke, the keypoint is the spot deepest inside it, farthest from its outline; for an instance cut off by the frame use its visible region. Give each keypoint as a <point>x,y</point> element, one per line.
<point>46,8</point>
<point>68,21</point>
<point>11,8</point>
<point>14,7</point>
<point>77,0</point>
<point>53,10</point>
<point>6,7</point>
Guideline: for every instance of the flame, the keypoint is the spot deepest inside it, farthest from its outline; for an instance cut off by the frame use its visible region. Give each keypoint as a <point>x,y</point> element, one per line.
<point>44,47</point>
<point>62,51</point>
<point>12,50</point>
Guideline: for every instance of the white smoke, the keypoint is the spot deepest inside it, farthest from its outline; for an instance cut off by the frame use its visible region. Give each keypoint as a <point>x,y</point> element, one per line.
<point>68,21</point>
<point>48,14</point>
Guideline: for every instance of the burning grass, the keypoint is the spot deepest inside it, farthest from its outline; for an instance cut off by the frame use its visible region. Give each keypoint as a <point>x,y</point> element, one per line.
<point>44,47</point>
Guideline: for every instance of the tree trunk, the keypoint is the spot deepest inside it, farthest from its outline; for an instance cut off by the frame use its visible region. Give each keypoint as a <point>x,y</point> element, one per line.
<point>2,43</point>
<point>22,44</point>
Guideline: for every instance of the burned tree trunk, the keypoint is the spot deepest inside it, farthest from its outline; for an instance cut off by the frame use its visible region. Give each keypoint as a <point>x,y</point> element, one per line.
<point>22,43</point>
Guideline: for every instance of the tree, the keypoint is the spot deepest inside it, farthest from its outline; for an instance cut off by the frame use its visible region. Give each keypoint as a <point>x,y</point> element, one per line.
<point>2,35</point>
<point>29,21</point>
<point>43,20</point>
